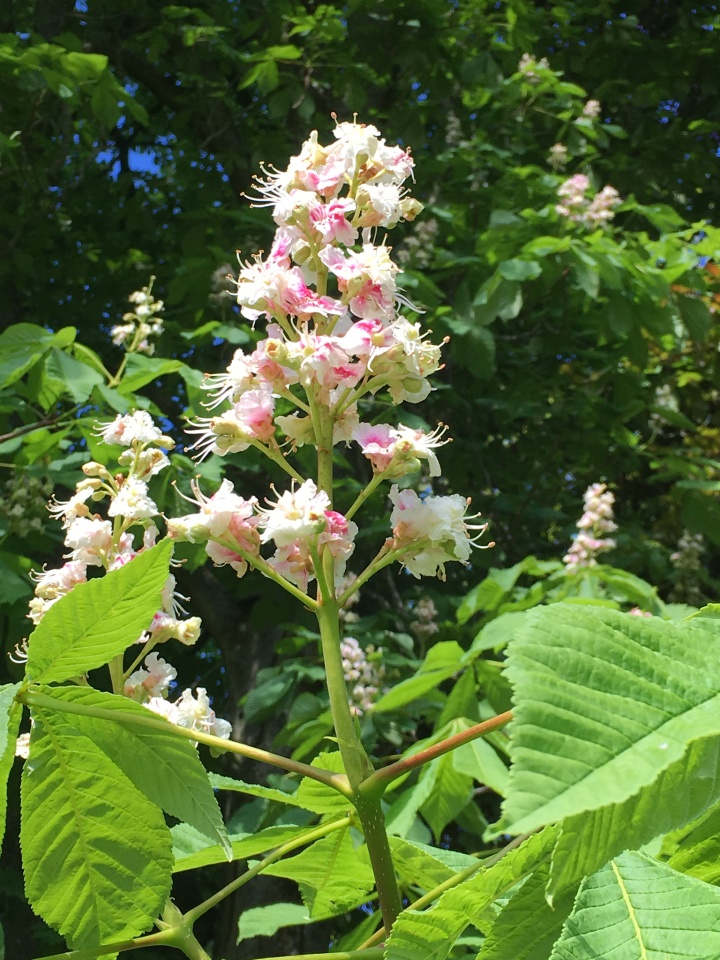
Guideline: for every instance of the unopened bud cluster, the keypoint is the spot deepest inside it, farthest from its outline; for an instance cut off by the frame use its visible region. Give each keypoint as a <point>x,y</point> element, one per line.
<point>364,674</point>
<point>109,541</point>
<point>593,525</point>
<point>139,324</point>
<point>22,504</point>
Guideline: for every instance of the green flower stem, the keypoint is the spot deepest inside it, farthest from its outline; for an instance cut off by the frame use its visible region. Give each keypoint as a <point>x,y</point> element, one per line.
<point>147,648</point>
<point>277,458</point>
<point>383,558</point>
<point>258,563</point>
<point>448,884</point>
<point>379,780</point>
<point>116,674</point>
<point>362,497</point>
<point>337,781</point>
<point>315,834</point>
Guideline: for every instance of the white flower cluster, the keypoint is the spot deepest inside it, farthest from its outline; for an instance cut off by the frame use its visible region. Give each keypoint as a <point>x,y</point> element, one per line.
<point>139,324</point>
<point>432,531</point>
<point>577,207</point>
<point>364,674</point>
<point>529,66</point>
<point>94,541</point>
<point>193,713</point>
<point>596,521</point>
<point>298,524</point>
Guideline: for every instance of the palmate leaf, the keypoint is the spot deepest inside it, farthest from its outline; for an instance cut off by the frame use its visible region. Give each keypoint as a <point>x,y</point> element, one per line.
<point>97,855</point>
<point>332,875</point>
<point>638,909</point>
<point>10,714</point>
<point>163,766</point>
<point>99,619</point>
<point>430,934</point>
<point>682,792</point>
<point>604,702</point>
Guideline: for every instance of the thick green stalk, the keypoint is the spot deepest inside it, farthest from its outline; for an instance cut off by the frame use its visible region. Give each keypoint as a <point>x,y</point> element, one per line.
<point>357,764</point>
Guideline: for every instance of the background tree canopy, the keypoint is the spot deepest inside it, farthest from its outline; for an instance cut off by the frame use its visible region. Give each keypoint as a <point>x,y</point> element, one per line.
<point>578,352</point>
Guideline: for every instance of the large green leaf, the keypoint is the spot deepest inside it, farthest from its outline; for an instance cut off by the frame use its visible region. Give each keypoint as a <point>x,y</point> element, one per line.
<point>98,619</point>
<point>451,791</point>
<point>10,714</point>
<point>638,909</point>
<point>97,855</point>
<point>682,792</point>
<point>430,934</point>
<point>192,849</point>
<point>163,766</point>
<point>604,702</point>
<point>332,875</point>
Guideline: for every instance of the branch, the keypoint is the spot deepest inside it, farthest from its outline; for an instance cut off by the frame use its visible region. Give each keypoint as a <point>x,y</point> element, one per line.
<point>315,834</point>
<point>337,781</point>
<point>381,778</point>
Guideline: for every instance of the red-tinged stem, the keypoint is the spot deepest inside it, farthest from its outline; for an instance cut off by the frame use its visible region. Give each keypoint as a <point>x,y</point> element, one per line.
<point>376,783</point>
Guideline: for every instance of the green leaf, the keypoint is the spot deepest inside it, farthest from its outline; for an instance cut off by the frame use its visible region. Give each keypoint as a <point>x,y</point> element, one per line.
<point>142,370</point>
<point>419,865</point>
<point>443,660</point>
<point>21,346</point>
<point>451,791</point>
<point>696,317</point>
<point>332,876</point>
<point>191,848</point>
<point>10,714</point>
<point>430,934</point>
<point>78,379</point>
<point>520,269</point>
<point>12,586</point>
<point>266,921</point>
<point>604,702</point>
<point>318,797</point>
<point>99,619</point>
<point>682,792</point>
<point>164,767</point>
<point>254,790</point>
<point>527,927</point>
<point>97,854</point>
<point>638,909</point>
<point>698,853</point>
<point>480,761</point>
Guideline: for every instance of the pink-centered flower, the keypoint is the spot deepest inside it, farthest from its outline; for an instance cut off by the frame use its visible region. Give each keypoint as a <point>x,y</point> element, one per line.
<point>298,514</point>
<point>433,531</point>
